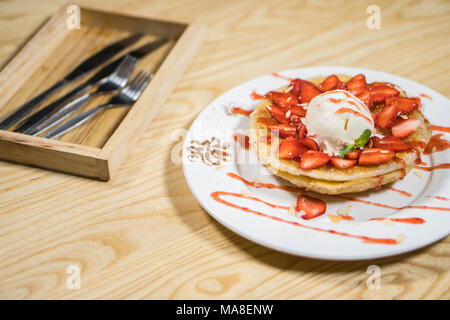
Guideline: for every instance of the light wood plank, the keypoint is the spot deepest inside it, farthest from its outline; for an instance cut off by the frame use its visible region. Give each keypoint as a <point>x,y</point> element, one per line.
<point>143,234</point>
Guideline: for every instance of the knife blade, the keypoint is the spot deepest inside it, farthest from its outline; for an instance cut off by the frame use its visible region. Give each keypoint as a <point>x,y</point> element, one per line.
<point>33,121</point>
<point>84,67</point>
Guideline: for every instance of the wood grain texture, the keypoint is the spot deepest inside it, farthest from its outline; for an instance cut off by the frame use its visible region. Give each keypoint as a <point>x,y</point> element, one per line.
<point>143,235</point>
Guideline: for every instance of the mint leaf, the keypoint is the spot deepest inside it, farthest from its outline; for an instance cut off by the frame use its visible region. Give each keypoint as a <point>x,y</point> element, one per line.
<point>360,143</point>
<point>346,149</point>
<point>363,138</point>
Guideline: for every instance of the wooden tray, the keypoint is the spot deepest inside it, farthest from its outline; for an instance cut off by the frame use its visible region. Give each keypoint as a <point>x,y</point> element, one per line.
<point>97,148</point>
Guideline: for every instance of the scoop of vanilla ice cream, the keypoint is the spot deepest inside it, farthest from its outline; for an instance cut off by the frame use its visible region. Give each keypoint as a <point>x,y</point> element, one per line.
<point>336,118</point>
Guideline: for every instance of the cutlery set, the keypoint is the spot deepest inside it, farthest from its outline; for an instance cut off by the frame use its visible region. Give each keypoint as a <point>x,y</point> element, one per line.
<point>112,79</point>
<point>106,96</point>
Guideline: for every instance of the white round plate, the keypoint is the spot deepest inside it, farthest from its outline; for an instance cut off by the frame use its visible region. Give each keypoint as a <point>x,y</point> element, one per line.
<point>213,179</point>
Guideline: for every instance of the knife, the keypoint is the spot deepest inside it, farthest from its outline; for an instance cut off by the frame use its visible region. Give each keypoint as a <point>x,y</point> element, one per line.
<point>83,68</point>
<point>30,125</point>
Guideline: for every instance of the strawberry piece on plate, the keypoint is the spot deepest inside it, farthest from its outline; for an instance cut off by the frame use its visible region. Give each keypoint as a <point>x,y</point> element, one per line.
<point>296,85</point>
<point>386,118</point>
<point>298,111</point>
<point>312,207</point>
<point>380,93</point>
<point>310,143</point>
<point>308,92</point>
<point>342,86</point>
<point>291,148</point>
<point>313,159</point>
<point>391,143</point>
<point>330,83</point>
<point>283,99</point>
<point>284,130</point>
<point>373,156</point>
<point>405,127</point>
<point>356,84</point>
<point>365,96</point>
<point>405,105</point>
<point>342,163</point>
<point>354,155</point>
<point>301,130</point>
<point>278,113</point>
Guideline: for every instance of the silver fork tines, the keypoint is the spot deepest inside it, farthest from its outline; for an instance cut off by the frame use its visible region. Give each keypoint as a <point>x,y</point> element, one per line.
<point>128,96</point>
<point>115,81</point>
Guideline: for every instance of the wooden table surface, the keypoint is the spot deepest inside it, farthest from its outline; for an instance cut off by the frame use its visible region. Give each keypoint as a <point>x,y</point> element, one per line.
<point>143,235</point>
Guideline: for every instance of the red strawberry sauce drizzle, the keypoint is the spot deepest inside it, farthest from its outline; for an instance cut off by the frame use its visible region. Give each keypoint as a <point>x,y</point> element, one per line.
<point>256,96</point>
<point>439,166</point>
<point>437,144</point>
<point>403,163</point>
<point>439,198</point>
<point>355,113</point>
<point>423,95</point>
<point>276,75</point>
<point>216,196</point>
<point>404,193</point>
<point>440,128</point>
<point>242,139</point>
<point>380,182</point>
<point>297,189</point>
<point>244,112</point>
<point>401,220</point>
<point>388,206</point>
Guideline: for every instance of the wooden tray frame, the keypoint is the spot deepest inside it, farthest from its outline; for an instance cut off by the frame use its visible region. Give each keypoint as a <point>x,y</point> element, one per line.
<point>98,163</point>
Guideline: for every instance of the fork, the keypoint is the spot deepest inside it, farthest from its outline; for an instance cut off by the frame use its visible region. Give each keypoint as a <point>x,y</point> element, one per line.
<point>115,81</point>
<point>127,97</point>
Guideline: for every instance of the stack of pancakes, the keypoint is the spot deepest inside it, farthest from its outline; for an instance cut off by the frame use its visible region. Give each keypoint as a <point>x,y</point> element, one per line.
<point>329,179</point>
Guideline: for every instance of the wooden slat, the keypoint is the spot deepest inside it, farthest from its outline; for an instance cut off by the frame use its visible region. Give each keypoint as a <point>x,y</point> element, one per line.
<point>54,155</point>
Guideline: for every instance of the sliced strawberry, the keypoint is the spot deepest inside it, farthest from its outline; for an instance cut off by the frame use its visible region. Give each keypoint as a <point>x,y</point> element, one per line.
<point>283,99</point>
<point>365,96</point>
<point>301,130</point>
<point>330,83</point>
<point>310,143</point>
<point>342,86</point>
<point>296,85</point>
<point>312,159</point>
<point>405,127</point>
<point>291,148</point>
<point>266,121</point>
<point>342,163</point>
<point>354,155</point>
<point>372,156</point>
<point>284,130</point>
<point>405,105</point>
<point>278,113</point>
<point>386,117</point>
<point>308,92</point>
<point>298,111</point>
<point>312,207</point>
<point>356,84</point>
<point>391,143</point>
<point>373,140</point>
<point>294,120</point>
<point>380,93</point>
